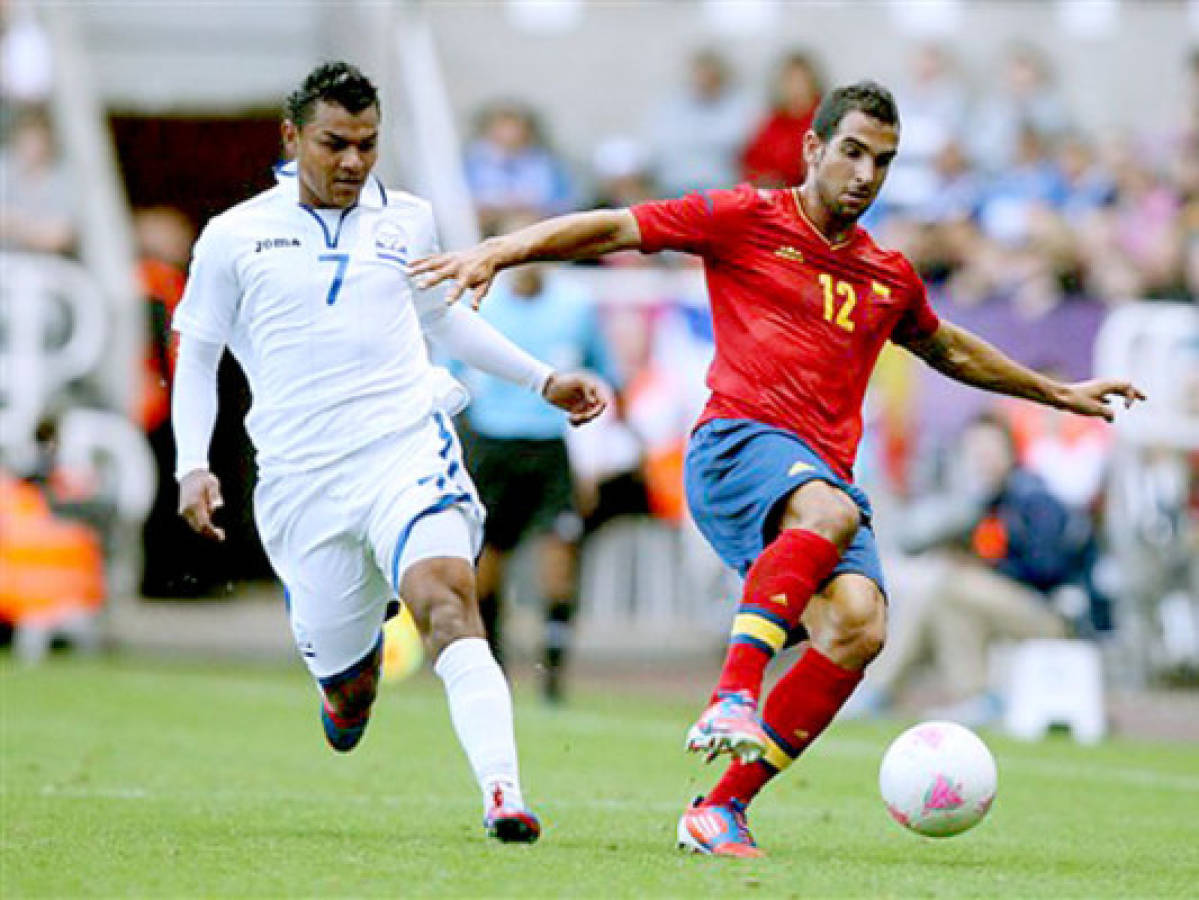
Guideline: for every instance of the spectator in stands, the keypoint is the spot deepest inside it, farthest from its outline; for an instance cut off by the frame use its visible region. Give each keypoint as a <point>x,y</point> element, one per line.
<point>172,552</point>
<point>774,155</point>
<point>957,191</point>
<point>1133,250</point>
<point>511,169</point>
<point>517,455</point>
<point>73,493</point>
<point>696,134</point>
<point>164,240</point>
<point>1188,225</point>
<point>1086,187</point>
<point>26,61</point>
<point>1190,112</point>
<point>1027,100</point>
<point>621,173</point>
<point>995,545</point>
<point>38,211</point>
<point>933,101</point>
<point>940,234</point>
<point>608,459</point>
<point>1029,181</point>
<point>1184,179</point>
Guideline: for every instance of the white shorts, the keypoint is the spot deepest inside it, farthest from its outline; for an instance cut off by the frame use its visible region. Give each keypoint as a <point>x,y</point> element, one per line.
<point>340,538</point>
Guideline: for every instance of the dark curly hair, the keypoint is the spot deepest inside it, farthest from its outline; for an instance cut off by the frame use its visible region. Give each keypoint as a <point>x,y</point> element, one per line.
<point>868,97</point>
<point>333,82</point>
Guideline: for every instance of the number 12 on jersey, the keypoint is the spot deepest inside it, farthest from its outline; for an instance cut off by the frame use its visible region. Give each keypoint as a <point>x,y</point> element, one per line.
<point>843,289</point>
<point>343,261</point>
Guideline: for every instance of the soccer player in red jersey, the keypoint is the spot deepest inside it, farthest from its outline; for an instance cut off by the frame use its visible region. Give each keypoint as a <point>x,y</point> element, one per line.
<point>802,302</point>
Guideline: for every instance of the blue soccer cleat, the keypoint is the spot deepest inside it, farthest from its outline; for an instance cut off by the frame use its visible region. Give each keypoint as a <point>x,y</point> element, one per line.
<point>730,725</point>
<point>342,737</point>
<point>717,830</point>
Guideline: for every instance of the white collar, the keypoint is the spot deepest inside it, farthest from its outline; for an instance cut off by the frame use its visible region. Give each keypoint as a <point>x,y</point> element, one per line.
<point>373,196</point>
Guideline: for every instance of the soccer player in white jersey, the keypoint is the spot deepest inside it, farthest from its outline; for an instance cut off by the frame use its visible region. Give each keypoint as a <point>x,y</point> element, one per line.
<point>362,495</point>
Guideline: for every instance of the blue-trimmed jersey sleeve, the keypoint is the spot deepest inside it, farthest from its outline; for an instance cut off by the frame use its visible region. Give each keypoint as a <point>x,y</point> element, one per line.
<point>430,304</point>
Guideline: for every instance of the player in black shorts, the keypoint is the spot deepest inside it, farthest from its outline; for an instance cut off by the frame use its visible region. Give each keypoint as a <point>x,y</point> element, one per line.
<point>527,489</point>
<point>517,457</point>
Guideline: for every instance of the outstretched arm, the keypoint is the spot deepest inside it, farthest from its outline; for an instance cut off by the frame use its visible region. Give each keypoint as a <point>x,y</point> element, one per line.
<point>584,235</point>
<point>967,358</point>
<point>465,336</point>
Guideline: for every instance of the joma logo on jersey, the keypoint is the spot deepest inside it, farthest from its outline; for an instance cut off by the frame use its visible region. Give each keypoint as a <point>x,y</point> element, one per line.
<point>273,243</point>
<point>789,253</point>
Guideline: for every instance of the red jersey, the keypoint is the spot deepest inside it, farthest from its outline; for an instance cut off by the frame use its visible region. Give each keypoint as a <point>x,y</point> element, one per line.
<point>799,321</point>
<point>774,155</point>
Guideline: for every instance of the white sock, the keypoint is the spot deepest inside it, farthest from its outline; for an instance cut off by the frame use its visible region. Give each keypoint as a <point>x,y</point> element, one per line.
<point>481,710</point>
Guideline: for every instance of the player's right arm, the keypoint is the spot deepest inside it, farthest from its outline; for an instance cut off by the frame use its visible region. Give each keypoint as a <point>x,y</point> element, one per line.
<point>967,358</point>
<point>584,235</point>
<point>193,416</point>
<point>204,320</point>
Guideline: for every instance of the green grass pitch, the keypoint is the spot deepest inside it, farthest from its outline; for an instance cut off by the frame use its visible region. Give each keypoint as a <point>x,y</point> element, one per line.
<point>142,778</point>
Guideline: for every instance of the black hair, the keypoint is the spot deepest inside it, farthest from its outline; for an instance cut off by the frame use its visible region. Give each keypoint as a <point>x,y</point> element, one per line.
<point>333,82</point>
<point>868,97</point>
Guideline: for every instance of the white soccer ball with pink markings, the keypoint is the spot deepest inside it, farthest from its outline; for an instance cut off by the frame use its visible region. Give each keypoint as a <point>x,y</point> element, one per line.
<point>938,779</point>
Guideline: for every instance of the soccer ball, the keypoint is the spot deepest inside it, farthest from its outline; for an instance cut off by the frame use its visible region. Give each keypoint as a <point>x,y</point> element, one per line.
<point>937,779</point>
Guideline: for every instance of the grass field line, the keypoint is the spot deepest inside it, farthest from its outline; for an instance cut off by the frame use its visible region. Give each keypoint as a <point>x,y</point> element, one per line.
<point>1060,771</point>
<point>366,799</point>
<point>865,749</point>
<point>1074,771</point>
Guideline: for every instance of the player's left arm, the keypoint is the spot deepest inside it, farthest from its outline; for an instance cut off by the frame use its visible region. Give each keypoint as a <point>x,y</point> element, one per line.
<point>463,334</point>
<point>967,358</point>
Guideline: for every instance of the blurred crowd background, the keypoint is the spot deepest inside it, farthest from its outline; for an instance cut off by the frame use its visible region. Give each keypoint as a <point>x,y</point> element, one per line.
<point>1047,189</point>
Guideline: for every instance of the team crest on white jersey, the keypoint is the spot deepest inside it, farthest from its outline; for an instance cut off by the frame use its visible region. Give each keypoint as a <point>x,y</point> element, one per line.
<point>391,242</point>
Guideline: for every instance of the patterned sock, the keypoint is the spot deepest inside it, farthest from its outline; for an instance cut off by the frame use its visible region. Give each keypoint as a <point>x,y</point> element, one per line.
<point>797,711</point>
<point>777,590</point>
<point>349,694</point>
<point>481,710</point>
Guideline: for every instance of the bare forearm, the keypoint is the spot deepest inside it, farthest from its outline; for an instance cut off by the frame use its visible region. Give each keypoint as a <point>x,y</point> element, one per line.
<point>967,358</point>
<point>584,235</point>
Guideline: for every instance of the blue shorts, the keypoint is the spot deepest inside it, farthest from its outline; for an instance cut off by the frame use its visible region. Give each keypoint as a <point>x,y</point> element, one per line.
<point>739,472</point>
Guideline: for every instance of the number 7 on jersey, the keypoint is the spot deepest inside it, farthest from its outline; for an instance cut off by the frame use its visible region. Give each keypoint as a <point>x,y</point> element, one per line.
<point>343,261</point>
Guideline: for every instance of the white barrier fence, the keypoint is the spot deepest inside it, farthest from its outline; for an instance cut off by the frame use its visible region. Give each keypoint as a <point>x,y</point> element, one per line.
<point>1152,540</point>
<point>55,332</point>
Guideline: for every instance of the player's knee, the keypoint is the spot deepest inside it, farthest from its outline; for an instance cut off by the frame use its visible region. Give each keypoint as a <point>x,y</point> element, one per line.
<point>826,510</point>
<point>858,629</point>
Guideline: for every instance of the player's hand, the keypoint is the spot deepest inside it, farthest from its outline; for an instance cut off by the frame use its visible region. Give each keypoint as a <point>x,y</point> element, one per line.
<point>470,270</point>
<point>1091,398</point>
<point>583,396</point>
<point>199,499</point>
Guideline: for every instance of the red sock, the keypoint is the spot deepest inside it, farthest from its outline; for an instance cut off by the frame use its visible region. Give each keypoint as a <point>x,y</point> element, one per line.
<point>797,711</point>
<point>777,590</point>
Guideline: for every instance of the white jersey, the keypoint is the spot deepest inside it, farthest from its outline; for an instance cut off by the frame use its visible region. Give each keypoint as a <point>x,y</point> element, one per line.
<point>318,308</point>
